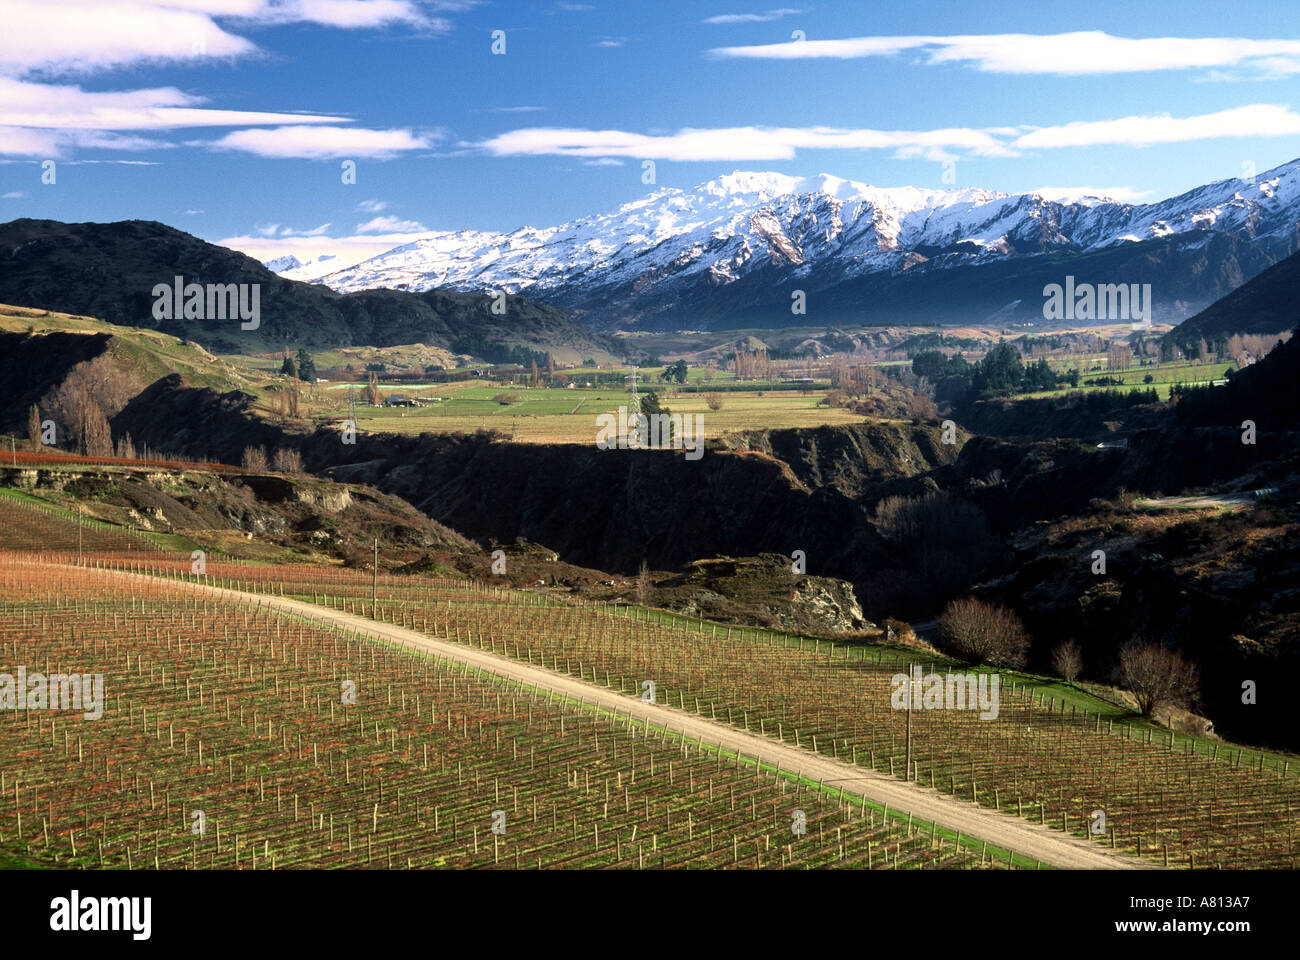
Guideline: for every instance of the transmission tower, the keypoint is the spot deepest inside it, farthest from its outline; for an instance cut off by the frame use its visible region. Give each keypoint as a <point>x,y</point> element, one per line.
<point>634,412</point>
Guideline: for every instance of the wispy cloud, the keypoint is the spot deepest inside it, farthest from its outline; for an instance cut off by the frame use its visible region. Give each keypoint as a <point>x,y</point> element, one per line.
<point>784,143</point>
<point>1084,52</point>
<point>372,206</point>
<point>322,143</point>
<point>526,109</point>
<point>13,195</point>
<point>66,107</point>
<point>313,232</point>
<point>1257,120</point>
<point>42,41</point>
<point>611,41</point>
<point>85,36</point>
<point>738,143</point>
<point>602,162</point>
<point>391,225</point>
<point>768,17</point>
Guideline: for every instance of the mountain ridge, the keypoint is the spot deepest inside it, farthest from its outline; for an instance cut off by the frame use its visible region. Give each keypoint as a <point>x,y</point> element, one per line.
<point>109,270</point>
<point>660,259</point>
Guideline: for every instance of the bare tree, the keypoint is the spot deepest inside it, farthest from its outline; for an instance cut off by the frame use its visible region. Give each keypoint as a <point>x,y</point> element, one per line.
<point>34,427</point>
<point>125,448</point>
<point>255,459</point>
<point>984,633</point>
<point>1157,677</point>
<point>714,401</point>
<point>371,391</point>
<point>644,583</point>
<point>1067,660</point>
<point>288,460</point>
<point>94,439</point>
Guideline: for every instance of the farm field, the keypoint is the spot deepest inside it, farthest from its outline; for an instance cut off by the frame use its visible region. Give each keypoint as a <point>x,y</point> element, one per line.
<point>225,743</point>
<point>1164,376</point>
<point>1189,801</point>
<point>554,415</point>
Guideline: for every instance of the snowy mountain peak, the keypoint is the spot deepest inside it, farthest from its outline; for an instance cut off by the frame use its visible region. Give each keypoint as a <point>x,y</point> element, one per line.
<point>661,253</point>
<point>283,264</point>
<point>743,182</point>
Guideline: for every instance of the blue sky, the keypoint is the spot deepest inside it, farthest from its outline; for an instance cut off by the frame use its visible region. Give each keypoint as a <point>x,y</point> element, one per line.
<point>230,118</point>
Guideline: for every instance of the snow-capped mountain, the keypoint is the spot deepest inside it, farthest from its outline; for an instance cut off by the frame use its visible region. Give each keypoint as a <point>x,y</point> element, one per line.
<point>283,264</point>
<point>313,269</point>
<point>734,248</point>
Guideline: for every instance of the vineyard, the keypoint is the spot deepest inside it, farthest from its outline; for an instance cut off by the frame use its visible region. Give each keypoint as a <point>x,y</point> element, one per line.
<point>35,528</point>
<point>1162,799</point>
<point>228,740</point>
<point>260,690</point>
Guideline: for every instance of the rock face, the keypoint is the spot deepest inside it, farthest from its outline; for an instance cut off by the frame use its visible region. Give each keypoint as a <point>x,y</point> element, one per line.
<point>295,512</point>
<point>764,589</point>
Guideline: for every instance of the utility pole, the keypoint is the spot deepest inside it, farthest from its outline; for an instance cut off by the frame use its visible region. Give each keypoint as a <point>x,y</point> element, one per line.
<point>13,451</point>
<point>80,515</point>
<point>907,773</point>
<point>374,582</point>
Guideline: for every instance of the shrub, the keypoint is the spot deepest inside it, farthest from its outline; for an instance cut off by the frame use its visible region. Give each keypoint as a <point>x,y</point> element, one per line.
<point>1067,660</point>
<point>255,459</point>
<point>288,460</point>
<point>1157,677</point>
<point>984,633</point>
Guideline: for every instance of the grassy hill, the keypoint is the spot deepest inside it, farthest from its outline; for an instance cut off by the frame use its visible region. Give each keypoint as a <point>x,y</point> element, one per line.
<point>109,270</point>
<point>1265,304</point>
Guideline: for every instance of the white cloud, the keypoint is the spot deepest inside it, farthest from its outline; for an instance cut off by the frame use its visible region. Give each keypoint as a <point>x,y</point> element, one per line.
<point>768,17</point>
<point>194,213</point>
<point>602,162</point>
<point>611,41</point>
<point>13,195</point>
<point>1257,120</point>
<point>266,229</point>
<point>85,36</point>
<point>391,225</point>
<point>347,251</point>
<point>516,109</point>
<point>738,143</point>
<point>66,107</point>
<point>372,206</point>
<point>313,232</point>
<point>55,144</point>
<point>784,143</point>
<point>1084,52</point>
<point>321,143</point>
<point>81,37</point>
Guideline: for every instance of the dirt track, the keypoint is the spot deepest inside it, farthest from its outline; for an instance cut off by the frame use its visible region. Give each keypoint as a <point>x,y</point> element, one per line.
<point>1052,847</point>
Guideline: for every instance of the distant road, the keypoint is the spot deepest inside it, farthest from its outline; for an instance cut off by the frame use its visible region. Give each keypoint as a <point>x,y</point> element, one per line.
<point>1208,500</point>
<point>1051,847</point>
